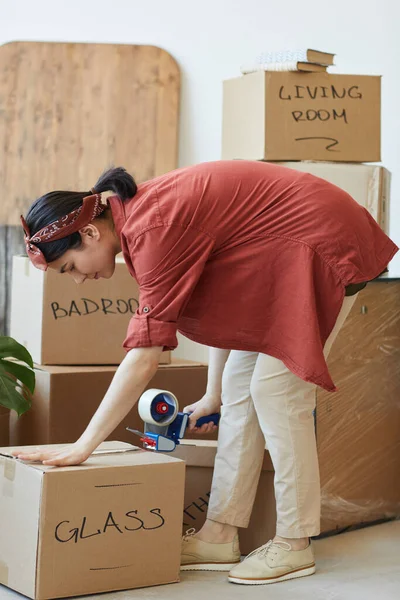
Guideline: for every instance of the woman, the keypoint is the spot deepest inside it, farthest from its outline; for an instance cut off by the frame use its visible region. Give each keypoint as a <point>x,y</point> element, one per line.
<point>259,262</point>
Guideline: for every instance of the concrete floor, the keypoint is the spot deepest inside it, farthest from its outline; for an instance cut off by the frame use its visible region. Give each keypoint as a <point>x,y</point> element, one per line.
<point>359,565</point>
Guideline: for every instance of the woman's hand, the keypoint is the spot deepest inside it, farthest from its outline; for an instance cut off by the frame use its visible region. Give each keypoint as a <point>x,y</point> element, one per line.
<point>74,454</point>
<point>208,405</point>
<point>131,378</point>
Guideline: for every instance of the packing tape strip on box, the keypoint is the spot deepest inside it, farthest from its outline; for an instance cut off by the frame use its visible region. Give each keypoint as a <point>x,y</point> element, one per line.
<point>9,469</point>
<point>8,476</point>
<point>3,573</point>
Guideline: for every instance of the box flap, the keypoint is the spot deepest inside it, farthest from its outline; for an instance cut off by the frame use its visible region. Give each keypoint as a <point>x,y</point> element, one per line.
<point>201,453</point>
<point>108,454</point>
<point>197,453</point>
<point>104,448</point>
<point>62,370</point>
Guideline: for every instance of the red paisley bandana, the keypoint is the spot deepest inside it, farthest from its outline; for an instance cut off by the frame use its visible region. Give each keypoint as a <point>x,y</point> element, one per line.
<point>74,221</point>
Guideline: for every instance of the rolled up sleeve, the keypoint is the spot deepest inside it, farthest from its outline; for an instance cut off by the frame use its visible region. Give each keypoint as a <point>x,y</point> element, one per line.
<point>168,261</point>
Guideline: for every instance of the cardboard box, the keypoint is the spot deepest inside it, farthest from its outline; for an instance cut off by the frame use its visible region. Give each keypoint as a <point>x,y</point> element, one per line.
<point>4,426</point>
<point>353,492</point>
<point>199,456</point>
<point>369,185</point>
<point>66,398</point>
<point>302,116</point>
<point>112,523</point>
<point>62,323</point>
<point>358,427</point>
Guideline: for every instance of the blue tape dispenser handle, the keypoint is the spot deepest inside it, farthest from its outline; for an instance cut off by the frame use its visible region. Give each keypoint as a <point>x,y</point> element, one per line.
<point>208,419</point>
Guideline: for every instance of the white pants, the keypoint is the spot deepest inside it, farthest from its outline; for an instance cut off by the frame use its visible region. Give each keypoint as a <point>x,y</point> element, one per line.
<point>266,405</point>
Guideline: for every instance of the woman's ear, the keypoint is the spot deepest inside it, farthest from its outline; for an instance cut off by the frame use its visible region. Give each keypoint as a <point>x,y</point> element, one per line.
<point>90,233</point>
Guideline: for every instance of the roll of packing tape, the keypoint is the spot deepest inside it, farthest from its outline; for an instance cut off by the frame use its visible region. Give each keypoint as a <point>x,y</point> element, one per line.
<point>158,407</point>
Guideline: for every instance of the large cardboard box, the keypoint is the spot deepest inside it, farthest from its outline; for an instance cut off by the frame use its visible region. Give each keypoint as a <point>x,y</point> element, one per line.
<point>302,116</point>
<point>369,185</point>
<point>66,398</point>
<point>358,427</point>
<point>112,523</point>
<point>4,425</point>
<point>62,323</point>
<point>199,456</point>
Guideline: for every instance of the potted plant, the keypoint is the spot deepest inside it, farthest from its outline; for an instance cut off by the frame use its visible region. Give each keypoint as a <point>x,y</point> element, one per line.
<point>17,382</point>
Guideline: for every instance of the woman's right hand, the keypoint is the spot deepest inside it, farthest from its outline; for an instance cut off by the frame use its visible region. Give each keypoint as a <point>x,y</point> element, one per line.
<point>208,405</point>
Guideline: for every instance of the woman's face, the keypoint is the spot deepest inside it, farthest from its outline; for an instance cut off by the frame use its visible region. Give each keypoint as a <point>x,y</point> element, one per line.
<point>95,257</point>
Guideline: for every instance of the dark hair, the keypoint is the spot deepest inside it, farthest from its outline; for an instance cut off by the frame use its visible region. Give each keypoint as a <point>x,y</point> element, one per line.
<point>54,205</point>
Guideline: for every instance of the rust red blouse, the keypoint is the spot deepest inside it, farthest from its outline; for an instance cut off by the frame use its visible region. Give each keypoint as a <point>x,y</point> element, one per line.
<point>246,255</point>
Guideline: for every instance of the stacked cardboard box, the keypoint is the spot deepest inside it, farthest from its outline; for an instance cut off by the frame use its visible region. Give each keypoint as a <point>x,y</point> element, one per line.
<point>199,456</point>
<point>358,426</point>
<point>98,513</point>
<point>357,430</point>
<point>62,323</point>
<point>291,116</point>
<point>112,523</point>
<point>66,398</point>
<point>302,116</point>
<point>75,336</point>
<point>327,125</point>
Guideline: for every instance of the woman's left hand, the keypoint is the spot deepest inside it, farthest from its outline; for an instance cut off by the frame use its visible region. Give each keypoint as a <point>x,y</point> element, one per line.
<point>74,454</point>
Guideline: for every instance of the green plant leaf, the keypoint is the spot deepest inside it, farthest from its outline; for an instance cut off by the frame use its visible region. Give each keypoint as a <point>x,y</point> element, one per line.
<point>21,372</point>
<point>17,381</point>
<point>10,348</point>
<point>10,397</point>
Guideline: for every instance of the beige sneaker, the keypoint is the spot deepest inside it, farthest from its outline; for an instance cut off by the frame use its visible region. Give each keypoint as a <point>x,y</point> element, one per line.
<point>204,556</point>
<point>273,562</point>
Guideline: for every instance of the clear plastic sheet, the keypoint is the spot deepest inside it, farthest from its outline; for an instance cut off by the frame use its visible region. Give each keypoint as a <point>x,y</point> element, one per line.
<point>358,427</point>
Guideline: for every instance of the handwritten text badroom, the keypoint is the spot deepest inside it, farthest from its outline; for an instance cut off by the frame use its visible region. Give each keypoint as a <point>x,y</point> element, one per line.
<point>66,531</point>
<point>84,306</point>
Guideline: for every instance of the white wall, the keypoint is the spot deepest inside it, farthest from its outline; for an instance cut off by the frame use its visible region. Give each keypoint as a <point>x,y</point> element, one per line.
<point>211,38</point>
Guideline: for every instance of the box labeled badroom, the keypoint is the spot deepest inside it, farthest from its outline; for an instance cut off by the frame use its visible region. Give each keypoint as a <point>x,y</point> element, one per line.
<point>112,523</point>
<point>66,398</point>
<point>62,323</point>
<point>302,116</point>
<point>369,185</point>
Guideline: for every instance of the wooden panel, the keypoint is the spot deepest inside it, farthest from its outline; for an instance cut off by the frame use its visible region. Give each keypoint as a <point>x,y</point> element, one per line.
<point>358,427</point>
<point>68,111</point>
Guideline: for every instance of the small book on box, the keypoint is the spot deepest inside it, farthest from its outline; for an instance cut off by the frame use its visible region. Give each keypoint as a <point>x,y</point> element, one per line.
<point>290,60</point>
<point>301,55</point>
<point>283,66</point>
